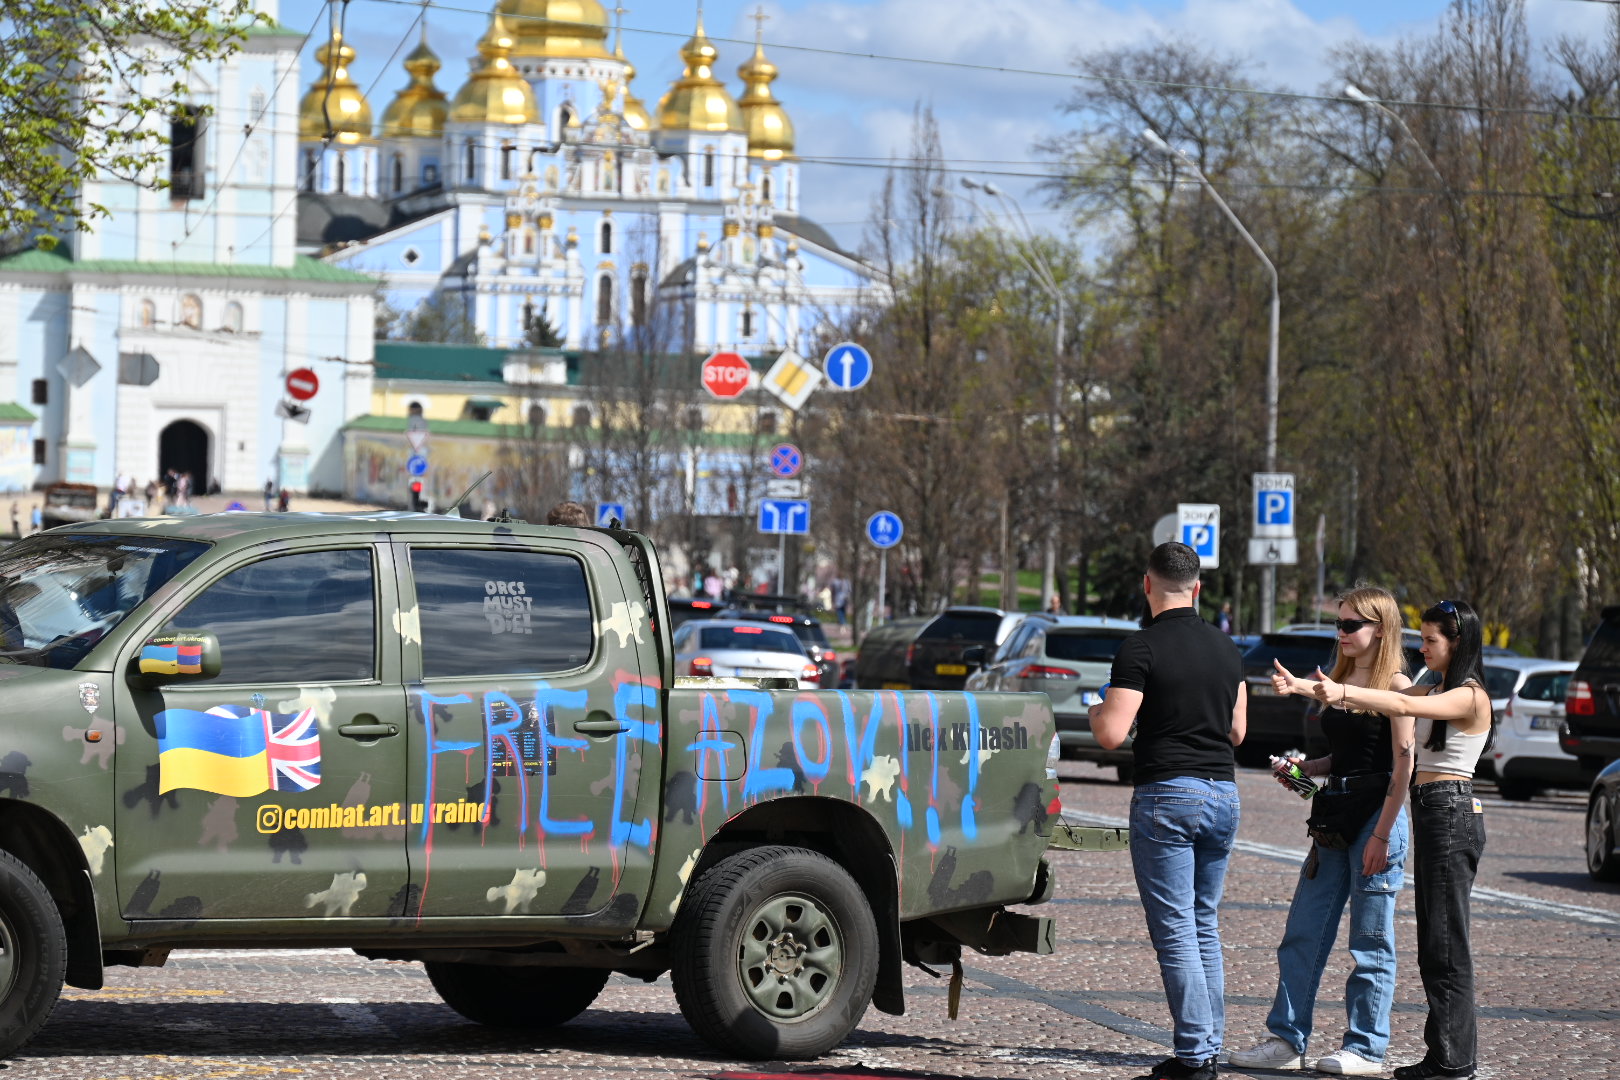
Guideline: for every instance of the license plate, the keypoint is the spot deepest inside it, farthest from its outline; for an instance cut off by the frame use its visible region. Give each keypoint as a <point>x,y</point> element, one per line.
<point>1262,690</point>
<point>897,686</point>
<point>950,669</point>
<point>1544,723</point>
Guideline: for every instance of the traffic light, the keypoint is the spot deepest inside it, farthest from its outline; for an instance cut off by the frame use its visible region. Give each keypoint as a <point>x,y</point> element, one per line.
<point>418,503</point>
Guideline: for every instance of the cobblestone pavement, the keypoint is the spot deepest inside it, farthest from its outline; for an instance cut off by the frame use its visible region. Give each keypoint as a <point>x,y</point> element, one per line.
<point>1545,942</point>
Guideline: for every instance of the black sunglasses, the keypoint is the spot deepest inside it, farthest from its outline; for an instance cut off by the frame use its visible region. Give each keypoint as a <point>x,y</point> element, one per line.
<point>1350,626</point>
<point>1447,606</point>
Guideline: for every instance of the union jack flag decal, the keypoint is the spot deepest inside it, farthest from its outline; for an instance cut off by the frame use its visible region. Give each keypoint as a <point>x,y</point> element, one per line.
<point>292,745</point>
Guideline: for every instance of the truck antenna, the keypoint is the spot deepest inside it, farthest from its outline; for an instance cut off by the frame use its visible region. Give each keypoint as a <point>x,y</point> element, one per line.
<point>455,507</point>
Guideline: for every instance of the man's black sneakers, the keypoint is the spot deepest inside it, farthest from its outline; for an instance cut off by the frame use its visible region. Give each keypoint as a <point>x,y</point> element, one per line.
<point>1176,1069</point>
<point>1428,1070</point>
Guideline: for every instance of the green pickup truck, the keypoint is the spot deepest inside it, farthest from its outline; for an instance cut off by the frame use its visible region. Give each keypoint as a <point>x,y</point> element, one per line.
<point>463,743</point>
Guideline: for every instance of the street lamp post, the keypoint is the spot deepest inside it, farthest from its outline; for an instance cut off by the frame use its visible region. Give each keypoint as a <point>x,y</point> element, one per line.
<point>1042,271</point>
<point>1268,573</point>
<point>1361,97</point>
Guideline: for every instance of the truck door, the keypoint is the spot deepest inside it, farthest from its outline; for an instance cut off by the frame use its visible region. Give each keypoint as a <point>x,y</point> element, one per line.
<point>275,789</point>
<point>529,731</point>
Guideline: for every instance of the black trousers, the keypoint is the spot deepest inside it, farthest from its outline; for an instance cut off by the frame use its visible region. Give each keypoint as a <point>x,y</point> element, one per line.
<point>1447,841</point>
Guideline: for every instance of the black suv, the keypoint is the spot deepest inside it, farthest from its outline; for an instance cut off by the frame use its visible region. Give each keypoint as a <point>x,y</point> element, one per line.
<point>937,660</point>
<point>806,629</point>
<point>1591,728</point>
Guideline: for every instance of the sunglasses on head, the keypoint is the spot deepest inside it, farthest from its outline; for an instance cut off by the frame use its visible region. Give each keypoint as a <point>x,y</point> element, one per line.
<point>1350,626</point>
<point>1447,606</point>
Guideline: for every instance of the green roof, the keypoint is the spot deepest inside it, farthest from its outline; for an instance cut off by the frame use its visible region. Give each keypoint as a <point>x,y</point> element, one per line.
<point>453,363</point>
<point>551,433</point>
<point>303,268</point>
<point>11,412</point>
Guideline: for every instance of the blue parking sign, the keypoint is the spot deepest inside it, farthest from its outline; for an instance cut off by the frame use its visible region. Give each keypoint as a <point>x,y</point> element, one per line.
<point>1201,538</point>
<point>1274,507</point>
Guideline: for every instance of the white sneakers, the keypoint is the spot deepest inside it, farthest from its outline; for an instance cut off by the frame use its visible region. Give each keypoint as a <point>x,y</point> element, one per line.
<point>1349,1063</point>
<point>1274,1053</point>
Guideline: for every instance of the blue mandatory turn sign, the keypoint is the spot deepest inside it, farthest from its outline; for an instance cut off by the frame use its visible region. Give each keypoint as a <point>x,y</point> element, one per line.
<point>884,529</point>
<point>786,460</point>
<point>848,366</point>
<point>607,513</point>
<point>790,516</point>
<point>416,465</point>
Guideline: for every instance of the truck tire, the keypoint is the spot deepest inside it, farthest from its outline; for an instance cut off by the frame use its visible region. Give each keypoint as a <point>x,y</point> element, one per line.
<point>516,997</point>
<point>775,954</point>
<point>33,954</point>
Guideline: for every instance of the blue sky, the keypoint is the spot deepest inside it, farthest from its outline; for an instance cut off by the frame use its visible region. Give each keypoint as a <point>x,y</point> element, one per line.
<point>862,108</point>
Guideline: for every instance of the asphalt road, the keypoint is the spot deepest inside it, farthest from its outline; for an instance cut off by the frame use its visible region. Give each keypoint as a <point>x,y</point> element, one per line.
<point>1546,942</point>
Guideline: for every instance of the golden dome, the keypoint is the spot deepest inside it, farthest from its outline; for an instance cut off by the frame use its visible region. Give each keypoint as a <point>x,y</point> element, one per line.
<point>335,99</point>
<point>698,101</point>
<point>421,107</point>
<point>556,28</point>
<point>770,132</point>
<point>634,112</point>
<point>495,93</point>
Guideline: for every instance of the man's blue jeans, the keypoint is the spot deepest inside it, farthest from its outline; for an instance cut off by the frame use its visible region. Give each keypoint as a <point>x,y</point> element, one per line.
<point>1312,930</point>
<point>1181,839</point>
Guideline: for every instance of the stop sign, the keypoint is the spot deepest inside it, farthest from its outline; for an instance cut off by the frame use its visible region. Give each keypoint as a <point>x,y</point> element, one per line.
<point>302,384</point>
<point>725,374</point>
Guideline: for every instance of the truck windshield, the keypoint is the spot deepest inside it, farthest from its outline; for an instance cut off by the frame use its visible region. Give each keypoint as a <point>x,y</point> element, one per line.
<point>61,593</point>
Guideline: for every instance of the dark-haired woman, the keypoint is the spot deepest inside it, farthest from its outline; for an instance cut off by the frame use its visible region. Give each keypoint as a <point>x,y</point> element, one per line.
<point>1453,726</point>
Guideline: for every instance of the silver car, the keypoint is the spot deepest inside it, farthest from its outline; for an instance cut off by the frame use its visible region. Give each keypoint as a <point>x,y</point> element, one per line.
<point>733,648</point>
<point>1068,658</point>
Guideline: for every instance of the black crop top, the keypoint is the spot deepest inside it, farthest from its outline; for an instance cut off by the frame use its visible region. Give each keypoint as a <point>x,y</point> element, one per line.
<point>1359,742</point>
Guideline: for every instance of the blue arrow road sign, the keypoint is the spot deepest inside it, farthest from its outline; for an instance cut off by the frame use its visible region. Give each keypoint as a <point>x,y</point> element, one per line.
<point>787,516</point>
<point>416,465</point>
<point>786,460</point>
<point>884,529</point>
<point>848,366</point>
<point>606,513</point>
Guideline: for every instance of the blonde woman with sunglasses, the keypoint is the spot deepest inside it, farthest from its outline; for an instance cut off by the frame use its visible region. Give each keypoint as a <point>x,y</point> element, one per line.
<point>1360,840</point>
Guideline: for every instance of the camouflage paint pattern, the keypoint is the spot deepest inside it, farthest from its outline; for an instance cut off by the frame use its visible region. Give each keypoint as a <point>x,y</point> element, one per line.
<point>565,803</point>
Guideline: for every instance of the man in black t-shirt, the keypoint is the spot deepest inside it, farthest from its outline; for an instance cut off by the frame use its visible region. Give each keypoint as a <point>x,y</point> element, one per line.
<point>1179,680</point>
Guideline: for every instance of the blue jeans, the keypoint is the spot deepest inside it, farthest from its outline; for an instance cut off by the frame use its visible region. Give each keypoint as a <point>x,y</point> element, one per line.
<point>1181,840</point>
<point>1313,928</point>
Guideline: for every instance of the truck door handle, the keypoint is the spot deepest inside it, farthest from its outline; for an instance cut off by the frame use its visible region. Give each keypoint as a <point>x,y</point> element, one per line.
<point>603,726</point>
<point>367,731</point>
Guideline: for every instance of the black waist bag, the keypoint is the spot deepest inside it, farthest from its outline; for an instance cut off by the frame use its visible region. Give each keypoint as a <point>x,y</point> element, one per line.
<point>1337,817</point>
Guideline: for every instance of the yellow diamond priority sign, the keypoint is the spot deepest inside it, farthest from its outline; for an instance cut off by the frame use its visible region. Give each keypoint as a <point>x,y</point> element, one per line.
<point>792,379</point>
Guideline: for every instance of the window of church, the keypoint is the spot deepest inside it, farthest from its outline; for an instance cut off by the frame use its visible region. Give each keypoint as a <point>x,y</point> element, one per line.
<point>146,314</point>
<point>765,189</point>
<point>430,175</point>
<point>39,451</point>
<point>233,318</point>
<point>605,238</point>
<point>747,328</point>
<point>191,311</point>
<point>399,173</point>
<point>471,162</point>
<point>410,256</point>
<point>506,161</point>
<point>638,298</point>
<point>708,167</point>
<point>767,422</point>
<point>537,416</point>
<point>528,241</point>
<point>41,392</point>
<point>413,408</point>
<point>582,416</point>
<point>565,120</point>
<point>342,172</point>
<point>694,419</point>
<point>604,301</point>
<point>311,163</point>
<point>186,153</point>
<point>255,106</point>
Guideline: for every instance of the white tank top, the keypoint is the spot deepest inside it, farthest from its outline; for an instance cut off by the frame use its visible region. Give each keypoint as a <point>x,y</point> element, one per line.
<point>1460,756</point>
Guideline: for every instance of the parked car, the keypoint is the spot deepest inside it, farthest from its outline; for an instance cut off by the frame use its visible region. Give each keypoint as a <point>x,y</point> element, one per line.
<point>807,629</point>
<point>880,662</point>
<point>1067,658</point>
<point>69,504</point>
<point>682,608</point>
<point>935,660</point>
<point>1602,837</point>
<point>745,650</point>
<point>1290,723</point>
<point>1527,709</point>
<point>1591,729</point>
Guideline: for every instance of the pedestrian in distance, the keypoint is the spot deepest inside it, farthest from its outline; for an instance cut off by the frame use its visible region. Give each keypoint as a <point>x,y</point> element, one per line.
<point>16,523</point>
<point>840,598</point>
<point>1223,619</point>
<point>1452,729</point>
<point>568,513</point>
<point>283,500</point>
<point>1359,841</point>
<point>1180,682</point>
<point>1054,606</point>
<point>269,494</point>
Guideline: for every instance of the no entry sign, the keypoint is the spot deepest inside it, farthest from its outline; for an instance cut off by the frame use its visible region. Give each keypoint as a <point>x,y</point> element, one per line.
<point>302,384</point>
<point>725,374</point>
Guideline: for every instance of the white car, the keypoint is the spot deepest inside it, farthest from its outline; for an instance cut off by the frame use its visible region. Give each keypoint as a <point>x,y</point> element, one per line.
<point>734,648</point>
<point>1527,716</point>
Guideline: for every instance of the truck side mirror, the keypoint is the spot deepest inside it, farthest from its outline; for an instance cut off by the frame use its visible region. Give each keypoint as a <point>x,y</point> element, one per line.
<point>177,656</point>
<point>974,654</point>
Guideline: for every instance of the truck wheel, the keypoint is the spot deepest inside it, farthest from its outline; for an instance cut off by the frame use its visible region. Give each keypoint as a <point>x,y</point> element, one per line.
<point>516,997</point>
<point>1601,861</point>
<point>775,954</point>
<point>33,954</point>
